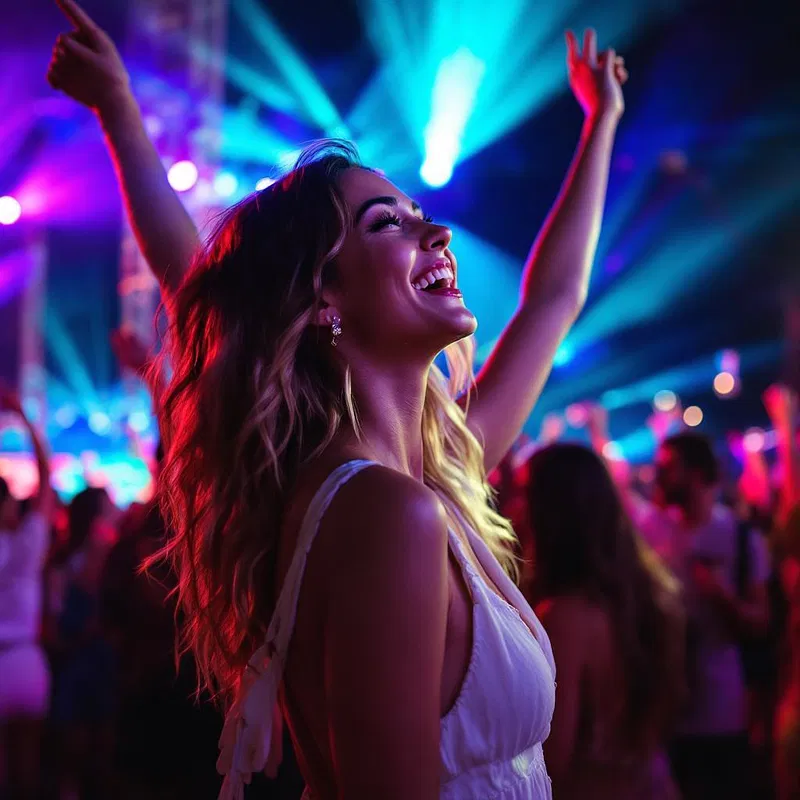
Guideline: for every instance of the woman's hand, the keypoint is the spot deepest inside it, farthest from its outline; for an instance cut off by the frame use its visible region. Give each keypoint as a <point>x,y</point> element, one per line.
<point>86,64</point>
<point>596,79</point>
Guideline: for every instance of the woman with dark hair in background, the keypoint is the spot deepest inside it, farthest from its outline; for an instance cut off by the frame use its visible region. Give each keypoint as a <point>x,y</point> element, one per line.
<point>613,616</point>
<point>305,409</point>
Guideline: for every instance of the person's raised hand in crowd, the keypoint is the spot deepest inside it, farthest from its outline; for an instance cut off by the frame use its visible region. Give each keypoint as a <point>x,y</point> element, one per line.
<point>86,64</point>
<point>661,423</point>
<point>781,404</point>
<point>45,499</point>
<point>552,429</point>
<point>597,424</point>
<point>596,78</point>
<point>87,67</point>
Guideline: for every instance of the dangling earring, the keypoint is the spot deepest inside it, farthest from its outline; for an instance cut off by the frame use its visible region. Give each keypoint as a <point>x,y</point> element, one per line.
<point>336,330</point>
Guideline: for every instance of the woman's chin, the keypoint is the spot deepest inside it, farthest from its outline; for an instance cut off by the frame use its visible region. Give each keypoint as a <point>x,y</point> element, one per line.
<point>461,325</point>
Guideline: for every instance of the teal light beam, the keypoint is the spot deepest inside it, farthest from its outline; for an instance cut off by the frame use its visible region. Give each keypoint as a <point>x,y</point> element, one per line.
<point>296,72</point>
<point>689,255</point>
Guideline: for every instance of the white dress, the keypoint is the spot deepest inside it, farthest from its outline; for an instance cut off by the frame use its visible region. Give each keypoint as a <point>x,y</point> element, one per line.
<point>491,739</point>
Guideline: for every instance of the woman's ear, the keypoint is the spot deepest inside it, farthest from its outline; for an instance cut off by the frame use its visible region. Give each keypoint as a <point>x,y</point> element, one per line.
<point>325,316</point>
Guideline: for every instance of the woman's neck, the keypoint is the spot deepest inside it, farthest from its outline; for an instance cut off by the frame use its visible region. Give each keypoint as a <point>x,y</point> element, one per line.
<point>389,407</point>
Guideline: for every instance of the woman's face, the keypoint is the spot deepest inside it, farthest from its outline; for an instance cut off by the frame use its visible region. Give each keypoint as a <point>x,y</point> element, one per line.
<point>385,272</point>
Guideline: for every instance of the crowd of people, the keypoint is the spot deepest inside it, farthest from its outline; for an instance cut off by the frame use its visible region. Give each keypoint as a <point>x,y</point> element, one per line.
<point>332,547</point>
<point>672,606</point>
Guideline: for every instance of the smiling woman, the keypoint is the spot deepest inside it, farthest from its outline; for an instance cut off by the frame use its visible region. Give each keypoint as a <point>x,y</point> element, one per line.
<point>326,486</point>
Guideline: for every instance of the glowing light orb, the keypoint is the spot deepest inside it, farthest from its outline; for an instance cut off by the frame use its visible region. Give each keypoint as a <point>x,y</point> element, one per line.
<point>693,416</point>
<point>99,423</point>
<point>435,173</point>
<point>139,421</point>
<point>665,400</point>
<point>10,210</point>
<point>65,416</point>
<point>225,184</point>
<point>577,415</point>
<point>264,183</point>
<point>724,383</point>
<point>754,440</point>
<point>612,451</point>
<point>182,175</point>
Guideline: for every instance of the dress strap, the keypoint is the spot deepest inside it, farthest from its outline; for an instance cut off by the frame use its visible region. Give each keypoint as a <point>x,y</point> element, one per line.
<point>247,740</point>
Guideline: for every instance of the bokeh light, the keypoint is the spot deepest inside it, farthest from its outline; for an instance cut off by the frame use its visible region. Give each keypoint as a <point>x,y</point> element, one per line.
<point>665,400</point>
<point>754,440</point>
<point>225,184</point>
<point>264,183</point>
<point>724,384</point>
<point>577,415</point>
<point>182,175</point>
<point>10,210</point>
<point>99,423</point>
<point>139,421</point>
<point>612,451</point>
<point>693,416</point>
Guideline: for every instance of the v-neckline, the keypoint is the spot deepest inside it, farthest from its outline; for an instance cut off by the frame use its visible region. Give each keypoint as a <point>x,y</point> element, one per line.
<point>466,565</point>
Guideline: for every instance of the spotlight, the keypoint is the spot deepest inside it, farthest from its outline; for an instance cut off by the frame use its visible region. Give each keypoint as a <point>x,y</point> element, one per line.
<point>453,99</point>
<point>724,384</point>
<point>182,176</point>
<point>225,184</point>
<point>264,183</point>
<point>665,400</point>
<point>436,173</point>
<point>10,210</point>
<point>754,440</point>
<point>693,416</point>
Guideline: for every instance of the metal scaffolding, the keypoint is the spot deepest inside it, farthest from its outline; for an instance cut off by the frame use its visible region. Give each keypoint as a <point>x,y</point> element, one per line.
<point>182,44</point>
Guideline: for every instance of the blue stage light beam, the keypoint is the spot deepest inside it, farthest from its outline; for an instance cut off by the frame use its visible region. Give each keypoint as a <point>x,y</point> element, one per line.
<point>250,80</point>
<point>694,376</point>
<point>244,138</point>
<point>691,253</point>
<point>297,74</point>
<point>66,355</point>
<point>520,44</point>
<point>455,88</point>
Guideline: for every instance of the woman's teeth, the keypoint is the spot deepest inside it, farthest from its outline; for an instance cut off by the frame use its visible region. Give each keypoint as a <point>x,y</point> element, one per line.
<point>432,276</point>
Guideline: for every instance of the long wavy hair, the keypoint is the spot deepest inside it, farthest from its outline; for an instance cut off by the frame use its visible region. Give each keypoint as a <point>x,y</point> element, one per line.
<point>256,393</point>
<point>585,543</point>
